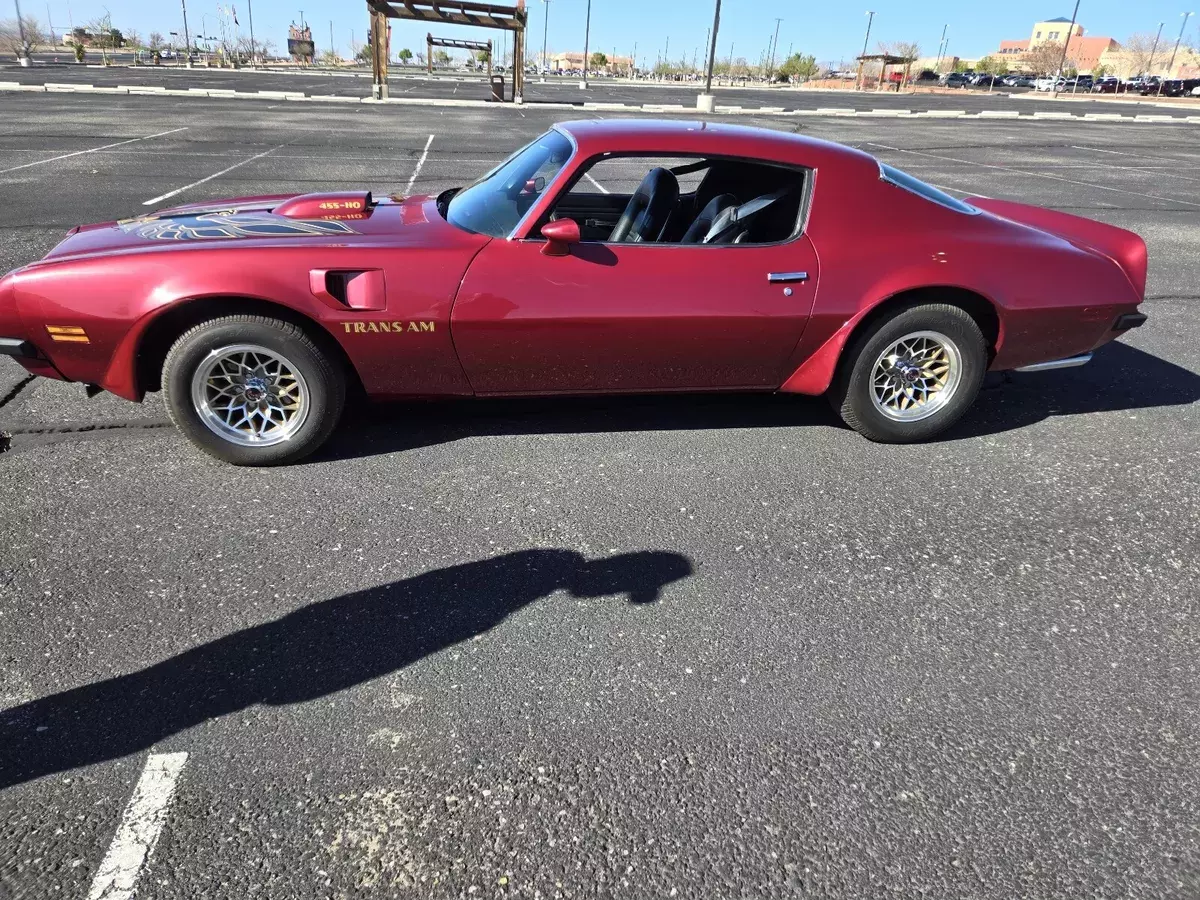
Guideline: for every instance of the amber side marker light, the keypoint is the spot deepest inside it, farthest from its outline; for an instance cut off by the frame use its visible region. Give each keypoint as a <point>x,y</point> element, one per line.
<point>67,334</point>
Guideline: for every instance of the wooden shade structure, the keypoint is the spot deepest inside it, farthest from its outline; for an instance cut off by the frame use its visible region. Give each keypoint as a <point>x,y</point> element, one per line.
<point>887,60</point>
<point>431,42</point>
<point>506,17</point>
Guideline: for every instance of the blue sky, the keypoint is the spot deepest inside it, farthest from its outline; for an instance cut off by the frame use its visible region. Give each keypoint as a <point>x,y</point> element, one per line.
<point>829,31</point>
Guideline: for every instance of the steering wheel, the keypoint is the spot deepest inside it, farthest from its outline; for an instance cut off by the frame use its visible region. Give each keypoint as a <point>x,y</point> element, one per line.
<point>648,209</point>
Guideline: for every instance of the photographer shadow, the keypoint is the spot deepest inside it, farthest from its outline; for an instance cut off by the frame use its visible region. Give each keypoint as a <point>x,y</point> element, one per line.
<point>315,651</point>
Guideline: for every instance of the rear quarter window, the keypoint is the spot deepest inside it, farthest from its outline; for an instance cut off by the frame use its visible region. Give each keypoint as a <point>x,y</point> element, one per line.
<point>905,181</point>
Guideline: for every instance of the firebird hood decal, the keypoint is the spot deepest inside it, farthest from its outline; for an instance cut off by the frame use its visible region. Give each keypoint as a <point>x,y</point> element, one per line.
<point>229,224</point>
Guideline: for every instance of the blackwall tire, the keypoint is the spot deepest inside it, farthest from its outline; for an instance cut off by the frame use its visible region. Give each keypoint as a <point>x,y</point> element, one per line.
<point>252,390</point>
<point>911,376</point>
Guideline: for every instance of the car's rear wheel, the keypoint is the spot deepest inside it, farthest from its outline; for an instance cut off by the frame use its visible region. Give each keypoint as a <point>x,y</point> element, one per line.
<point>912,375</point>
<point>253,391</point>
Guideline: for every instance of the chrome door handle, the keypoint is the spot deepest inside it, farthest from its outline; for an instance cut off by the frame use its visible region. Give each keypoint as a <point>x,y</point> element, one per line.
<point>784,277</point>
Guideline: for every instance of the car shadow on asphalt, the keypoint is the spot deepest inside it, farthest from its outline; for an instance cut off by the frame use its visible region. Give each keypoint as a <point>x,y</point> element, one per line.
<point>317,650</point>
<point>1120,377</point>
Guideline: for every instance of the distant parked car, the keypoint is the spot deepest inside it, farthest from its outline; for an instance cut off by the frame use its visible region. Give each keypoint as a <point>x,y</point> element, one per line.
<point>1109,84</point>
<point>926,75</point>
<point>953,79</point>
<point>1049,83</point>
<point>987,81</point>
<point>1171,87</point>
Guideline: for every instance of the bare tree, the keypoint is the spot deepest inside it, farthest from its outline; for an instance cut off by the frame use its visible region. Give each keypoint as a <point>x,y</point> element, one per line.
<point>906,50</point>
<point>133,40</point>
<point>156,41</point>
<point>1138,48</point>
<point>10,36</point>
<point>1044,59</point>
<point>104,36</point>
<point>245,49</point>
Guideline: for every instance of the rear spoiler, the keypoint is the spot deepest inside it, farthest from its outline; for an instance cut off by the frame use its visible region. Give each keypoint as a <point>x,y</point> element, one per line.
<point>1123,247</point>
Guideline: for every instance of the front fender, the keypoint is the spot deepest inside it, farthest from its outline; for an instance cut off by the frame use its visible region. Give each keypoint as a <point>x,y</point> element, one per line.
<point>400,347</point>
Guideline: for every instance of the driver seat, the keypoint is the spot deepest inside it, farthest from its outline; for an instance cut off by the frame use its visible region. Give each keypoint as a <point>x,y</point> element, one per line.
<point>649,208</point>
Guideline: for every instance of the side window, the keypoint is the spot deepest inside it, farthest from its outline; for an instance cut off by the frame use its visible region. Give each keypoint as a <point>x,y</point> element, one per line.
<point>622,174</point>
<point>683,200</point>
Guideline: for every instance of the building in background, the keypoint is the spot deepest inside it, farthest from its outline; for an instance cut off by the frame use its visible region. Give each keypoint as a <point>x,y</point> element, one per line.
<point>1084,54</point>
<point>616,65</point>
<point>1088,55</point>
<point>1054,30</point>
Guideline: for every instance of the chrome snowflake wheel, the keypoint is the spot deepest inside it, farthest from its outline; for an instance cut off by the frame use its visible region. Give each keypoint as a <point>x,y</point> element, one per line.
<point>916,376</point>
<point>250,396</point>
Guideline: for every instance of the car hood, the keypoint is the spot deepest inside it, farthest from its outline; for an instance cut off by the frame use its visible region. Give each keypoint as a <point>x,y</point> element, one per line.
<point>303,219</point>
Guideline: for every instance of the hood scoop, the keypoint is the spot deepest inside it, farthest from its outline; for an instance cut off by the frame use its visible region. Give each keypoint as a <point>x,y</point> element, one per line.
<point>335,205</point>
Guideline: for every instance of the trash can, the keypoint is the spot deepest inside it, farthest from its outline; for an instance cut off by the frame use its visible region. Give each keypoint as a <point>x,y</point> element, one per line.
<point>497,88</point>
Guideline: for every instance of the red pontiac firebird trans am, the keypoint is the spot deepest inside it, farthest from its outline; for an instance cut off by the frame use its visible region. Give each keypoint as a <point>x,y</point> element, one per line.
<point>730,258</point>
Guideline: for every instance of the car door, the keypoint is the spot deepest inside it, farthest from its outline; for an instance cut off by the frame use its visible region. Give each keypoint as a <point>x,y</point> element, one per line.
<point>632,316</point>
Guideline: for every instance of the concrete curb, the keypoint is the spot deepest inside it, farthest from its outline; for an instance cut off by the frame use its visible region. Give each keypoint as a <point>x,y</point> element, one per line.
<point>674,108</point>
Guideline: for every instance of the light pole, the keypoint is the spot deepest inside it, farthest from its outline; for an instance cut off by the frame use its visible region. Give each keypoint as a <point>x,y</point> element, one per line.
<point>706,102</point>
<point>1067,43</point>
<point>937,66</point>
<point>1153,50</point>
<point>545,33</point>
<point>24,55</point>
<point>866,40</point>
<point>1171,64</point>
<point>587,36</point>
<point>253,45</point>
<point>774,47</point>
<point>187,38</point>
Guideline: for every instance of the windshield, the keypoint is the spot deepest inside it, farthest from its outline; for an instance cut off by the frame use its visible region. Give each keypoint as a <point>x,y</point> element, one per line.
<point>496,202</point>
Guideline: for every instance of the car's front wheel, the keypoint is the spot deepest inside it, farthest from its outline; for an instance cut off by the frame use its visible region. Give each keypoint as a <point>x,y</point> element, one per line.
<point>912,375</point>
<point>252,391</point>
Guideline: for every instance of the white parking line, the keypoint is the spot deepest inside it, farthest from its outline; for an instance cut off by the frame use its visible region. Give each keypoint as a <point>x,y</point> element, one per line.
<point>188,187</point>
<point>601,187</point>
<point>41,162</point>
<point>1089,184</point>
<point>140,828</point>
<point>1140,156</point>
<point>420,162</point>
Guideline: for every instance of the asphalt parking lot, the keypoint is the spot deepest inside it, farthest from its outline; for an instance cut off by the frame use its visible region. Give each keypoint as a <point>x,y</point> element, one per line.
<point>693,646</point>
<point>357,83</point>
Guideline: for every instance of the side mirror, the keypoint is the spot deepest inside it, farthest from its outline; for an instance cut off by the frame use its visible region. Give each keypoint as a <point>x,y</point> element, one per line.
<point>534,185</point>
<point>559,235</point>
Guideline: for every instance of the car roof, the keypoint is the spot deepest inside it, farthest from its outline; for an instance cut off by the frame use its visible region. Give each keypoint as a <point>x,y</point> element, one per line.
<point>696,138</point>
